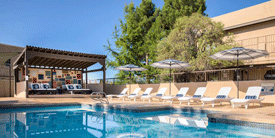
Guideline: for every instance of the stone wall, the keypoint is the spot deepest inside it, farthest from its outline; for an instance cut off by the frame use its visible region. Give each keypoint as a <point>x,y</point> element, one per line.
<point>5,88</point>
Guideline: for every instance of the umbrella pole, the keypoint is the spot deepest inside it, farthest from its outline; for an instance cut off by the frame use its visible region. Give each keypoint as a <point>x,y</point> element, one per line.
<point>130,84</point>
<point>238,74</point>
<point>170,80</point>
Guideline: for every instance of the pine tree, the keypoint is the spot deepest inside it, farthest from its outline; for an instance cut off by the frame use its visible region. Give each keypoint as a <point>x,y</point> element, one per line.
<point>132,46</point>
<point>173,9</point>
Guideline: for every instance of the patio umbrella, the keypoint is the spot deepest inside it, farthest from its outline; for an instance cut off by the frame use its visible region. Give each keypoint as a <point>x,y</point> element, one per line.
<point>130,67</point>
<point>239,53</point>
<point>170,64</point>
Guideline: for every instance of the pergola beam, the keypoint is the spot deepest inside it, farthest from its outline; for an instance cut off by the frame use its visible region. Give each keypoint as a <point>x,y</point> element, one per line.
<point>93,70</point>
<point>57,56</point>
<point>58,62</point>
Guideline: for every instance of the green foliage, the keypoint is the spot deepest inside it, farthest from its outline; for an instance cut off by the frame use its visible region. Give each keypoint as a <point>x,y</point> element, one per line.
<point>138,34</point>
<point>193,40</point>
<point>173,9</point>
<point>133,39</point>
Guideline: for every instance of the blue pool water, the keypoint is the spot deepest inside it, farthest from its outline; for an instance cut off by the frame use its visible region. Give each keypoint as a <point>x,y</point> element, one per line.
<point>86,122</point>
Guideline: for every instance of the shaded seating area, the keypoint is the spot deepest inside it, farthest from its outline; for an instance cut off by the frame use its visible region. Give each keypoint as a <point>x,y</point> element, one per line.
<point>48,70</point>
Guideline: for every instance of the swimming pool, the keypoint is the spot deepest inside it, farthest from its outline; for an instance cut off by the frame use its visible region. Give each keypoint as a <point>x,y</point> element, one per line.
<point>85,122</point>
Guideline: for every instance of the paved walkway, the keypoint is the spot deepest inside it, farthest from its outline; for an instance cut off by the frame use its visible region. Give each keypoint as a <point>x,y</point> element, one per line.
<point>265,114</point>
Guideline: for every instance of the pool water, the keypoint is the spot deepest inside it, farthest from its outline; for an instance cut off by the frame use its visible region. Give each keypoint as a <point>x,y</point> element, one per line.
<point>86,122</point>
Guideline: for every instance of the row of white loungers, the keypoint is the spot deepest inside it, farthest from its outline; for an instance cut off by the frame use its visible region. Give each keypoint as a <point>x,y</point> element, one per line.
<point>252,96</point>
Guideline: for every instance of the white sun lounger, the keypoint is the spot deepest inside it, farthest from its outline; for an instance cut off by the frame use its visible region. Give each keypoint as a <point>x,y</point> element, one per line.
<point>221,97</point>
<point>37,88</point>
<point>146,94</point>
<point>110,96</point>
<point>79,87</point>
<point>182,92</point>
<point>160,93</point>
<point>197,96</point>
<point>134,95</point>
<point>252,96</point>
<point>46,86</point>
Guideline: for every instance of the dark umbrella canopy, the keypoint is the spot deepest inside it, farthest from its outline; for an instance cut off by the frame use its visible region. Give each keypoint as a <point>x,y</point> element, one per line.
<point>170,64</point>
<point>130,67</point>
<point>239,53</point>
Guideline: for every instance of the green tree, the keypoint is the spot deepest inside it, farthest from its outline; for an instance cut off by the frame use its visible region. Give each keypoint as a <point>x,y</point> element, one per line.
<point>131,40</point>
<point>193,40</point>
<point>143,26</point>
<point>173,9</point>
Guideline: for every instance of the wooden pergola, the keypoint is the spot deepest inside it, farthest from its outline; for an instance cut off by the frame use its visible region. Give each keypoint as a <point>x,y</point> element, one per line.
<point>44,58</point>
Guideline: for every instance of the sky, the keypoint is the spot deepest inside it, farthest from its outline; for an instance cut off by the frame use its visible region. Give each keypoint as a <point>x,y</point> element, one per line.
<point>78,25</point>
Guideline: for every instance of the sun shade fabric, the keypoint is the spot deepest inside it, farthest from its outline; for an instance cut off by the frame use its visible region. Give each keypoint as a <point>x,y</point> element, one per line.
<point>239,53</point>
<point>130,67</point>
<point>170,63</point>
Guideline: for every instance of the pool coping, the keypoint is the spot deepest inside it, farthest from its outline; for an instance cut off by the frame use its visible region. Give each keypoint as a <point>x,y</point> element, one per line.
<point>34,105</point>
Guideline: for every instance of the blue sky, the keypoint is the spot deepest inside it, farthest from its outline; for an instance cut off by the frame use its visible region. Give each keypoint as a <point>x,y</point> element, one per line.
<point>78,25</point>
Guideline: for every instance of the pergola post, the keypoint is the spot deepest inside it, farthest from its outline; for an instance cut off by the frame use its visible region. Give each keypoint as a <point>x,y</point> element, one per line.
<point>86,78</point>
<point>52,77</point>
<point>15,81</point>
<point>26,75</point>
<point>82,78</point>
<point>104,76</point>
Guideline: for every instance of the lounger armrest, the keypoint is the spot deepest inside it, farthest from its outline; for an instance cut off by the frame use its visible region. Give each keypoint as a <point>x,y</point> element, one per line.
<point>262,98</point>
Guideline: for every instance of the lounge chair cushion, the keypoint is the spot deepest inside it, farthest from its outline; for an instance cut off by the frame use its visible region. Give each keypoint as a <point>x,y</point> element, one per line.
<point>159,95</point>
<point>46,86</point>
<point>221,96</point>
<point>144,94</point>
<point>197,96</point>
<point>78,87</point>
<point>179,95</point>
<point>250,97</point>
<point>133,94</point>
<point>70,86</point>
<point>35,86</point>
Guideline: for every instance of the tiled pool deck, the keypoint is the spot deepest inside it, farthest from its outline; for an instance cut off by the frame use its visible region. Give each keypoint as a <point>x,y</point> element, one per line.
<point>255,116</point>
